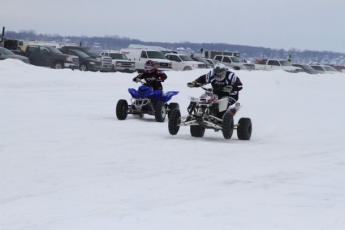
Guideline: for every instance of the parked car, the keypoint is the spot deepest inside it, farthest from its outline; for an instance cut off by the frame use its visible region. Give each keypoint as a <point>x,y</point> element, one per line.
<point>324,69</point>
<point>106,61</point>
<point>120,62</point>
<point>203,60</point>
<point>213,61</point>
<point>85,61</point>
<point>184,62</point>
<point>340,68</point>
<point>5,54</point>
<point>305,68</point>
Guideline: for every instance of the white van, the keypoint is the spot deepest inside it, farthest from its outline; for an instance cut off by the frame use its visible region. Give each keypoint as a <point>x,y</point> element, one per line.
<point>140,56</point>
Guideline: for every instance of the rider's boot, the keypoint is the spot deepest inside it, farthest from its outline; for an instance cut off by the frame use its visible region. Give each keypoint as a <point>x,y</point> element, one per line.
<point>233,110</point>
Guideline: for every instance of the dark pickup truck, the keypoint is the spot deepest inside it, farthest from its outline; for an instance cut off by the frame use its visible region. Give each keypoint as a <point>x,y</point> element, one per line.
<point>85,61</point>
<point>47,56</point>
<point>106,61</point>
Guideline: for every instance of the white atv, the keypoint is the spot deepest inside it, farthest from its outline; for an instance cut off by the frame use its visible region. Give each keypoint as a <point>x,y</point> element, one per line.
<point>209,112</point>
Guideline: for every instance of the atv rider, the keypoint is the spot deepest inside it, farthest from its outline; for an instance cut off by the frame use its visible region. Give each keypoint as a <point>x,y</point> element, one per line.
<point>152,75</point>
<point>225,83</point>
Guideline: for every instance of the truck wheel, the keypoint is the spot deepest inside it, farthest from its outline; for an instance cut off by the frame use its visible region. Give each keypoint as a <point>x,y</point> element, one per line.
<point>83,67</point>
<point>121,109</point>
<point>58,65</point>
<point>171,107</point>
<point>187,68</point>
<point>160,111</point>
<point>228,125</point>
<point>244,129</point>
<point>197,131</point>
<point>174,121</point>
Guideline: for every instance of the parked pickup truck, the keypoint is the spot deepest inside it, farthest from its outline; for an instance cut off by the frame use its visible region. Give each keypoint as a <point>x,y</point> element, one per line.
<point>120,61</point>
<point>49,57</point>
<point>275,64</point>
<point>86,62</point>
<point>106,61</point>
<point>182,62</point>
<point>234,62</point>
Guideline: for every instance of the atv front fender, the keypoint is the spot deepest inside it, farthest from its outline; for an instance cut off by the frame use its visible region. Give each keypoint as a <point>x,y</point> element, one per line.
<point>168,95</point>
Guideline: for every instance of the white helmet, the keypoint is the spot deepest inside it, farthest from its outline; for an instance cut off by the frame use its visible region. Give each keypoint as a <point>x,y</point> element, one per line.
<point>219,71</point>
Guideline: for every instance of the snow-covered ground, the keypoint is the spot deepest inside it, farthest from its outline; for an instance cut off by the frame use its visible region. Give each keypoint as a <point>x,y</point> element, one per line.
<point>67,163</point>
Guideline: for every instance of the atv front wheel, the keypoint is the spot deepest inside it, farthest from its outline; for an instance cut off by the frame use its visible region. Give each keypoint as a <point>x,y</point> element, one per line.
<point>160,111</point>
<point>174,121</point>
<point>121,109</point>
<point>244,129</point>
<point>197,131</point>
<point>228,125</point>
<point>171,107</point>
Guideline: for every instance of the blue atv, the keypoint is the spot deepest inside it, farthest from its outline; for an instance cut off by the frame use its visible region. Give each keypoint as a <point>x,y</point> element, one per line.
<point>145,100</point>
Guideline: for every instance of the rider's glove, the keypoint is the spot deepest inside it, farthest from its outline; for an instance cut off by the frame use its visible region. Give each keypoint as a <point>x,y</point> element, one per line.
<point>192,84</point>
<point>136,79</point>
<point>227,89</point>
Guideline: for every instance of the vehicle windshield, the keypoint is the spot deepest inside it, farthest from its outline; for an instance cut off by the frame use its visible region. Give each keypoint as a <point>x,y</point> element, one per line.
<point>316,67</point>
<point>202,60</point>
<point>213,61</point>
<point>329,68</point>
<point>285,63</point>
<point>155,54</point>
<point>307,67</point>
<point>89,52</point>
<point>118,56</point>
<point>236,59</point>
<point>186,58</point>
<point>81,53</point>
<point>54,50</point>
<point>6,51</point>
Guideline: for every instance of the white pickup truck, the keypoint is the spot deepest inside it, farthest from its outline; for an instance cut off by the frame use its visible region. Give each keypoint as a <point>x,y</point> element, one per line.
<point>120,61</point>
<point>275,64</point>
<point>234,62</point>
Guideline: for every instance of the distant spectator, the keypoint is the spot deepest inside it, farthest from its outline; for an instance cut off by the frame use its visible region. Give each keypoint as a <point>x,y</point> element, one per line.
<point>289,58</point>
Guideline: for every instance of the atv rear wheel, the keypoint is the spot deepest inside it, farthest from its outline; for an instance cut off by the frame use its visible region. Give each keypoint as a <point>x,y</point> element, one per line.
<point>174,121</point>
<point>197,131</point>
<point>121,109</point>
<point>171,107</point>
<point>228,125</point>
<point>244,129</point>
<point>160,111</point>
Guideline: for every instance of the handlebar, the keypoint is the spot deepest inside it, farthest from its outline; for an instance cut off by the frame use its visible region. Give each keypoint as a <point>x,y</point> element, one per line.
<point>143,81</point>
<point>227,88</point>
<point>197,85</point>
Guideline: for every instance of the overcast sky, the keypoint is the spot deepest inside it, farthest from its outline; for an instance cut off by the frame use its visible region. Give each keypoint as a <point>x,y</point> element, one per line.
<point>299,24</point>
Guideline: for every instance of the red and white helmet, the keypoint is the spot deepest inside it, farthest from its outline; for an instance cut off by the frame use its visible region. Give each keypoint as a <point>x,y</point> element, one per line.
<point>150,66</point>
